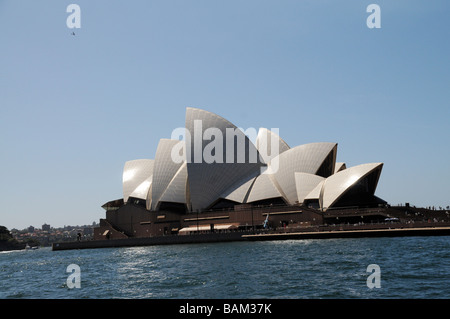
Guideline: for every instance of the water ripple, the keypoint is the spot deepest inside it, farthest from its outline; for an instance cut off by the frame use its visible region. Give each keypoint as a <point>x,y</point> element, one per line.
<point>413,267</point>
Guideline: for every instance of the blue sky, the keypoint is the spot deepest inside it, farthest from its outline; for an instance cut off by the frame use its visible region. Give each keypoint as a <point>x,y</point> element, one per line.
<point>74,109</point>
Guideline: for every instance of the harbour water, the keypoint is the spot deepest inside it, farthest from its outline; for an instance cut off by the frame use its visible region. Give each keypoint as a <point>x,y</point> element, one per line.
<point>409,267</point>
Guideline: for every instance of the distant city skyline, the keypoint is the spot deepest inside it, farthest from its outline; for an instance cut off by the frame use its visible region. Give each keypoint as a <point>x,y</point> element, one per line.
<point>76,104</point>
<point>46,226</point>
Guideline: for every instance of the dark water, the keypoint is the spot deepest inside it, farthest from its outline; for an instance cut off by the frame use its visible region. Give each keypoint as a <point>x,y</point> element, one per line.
<point>410,267</point>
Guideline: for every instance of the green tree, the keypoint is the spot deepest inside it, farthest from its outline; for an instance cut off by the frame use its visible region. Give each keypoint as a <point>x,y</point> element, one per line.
<point>4,234</point>
<point>7,241</point>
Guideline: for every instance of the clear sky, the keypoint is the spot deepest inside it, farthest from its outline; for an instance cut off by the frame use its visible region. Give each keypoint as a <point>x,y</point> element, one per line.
<point>75,108</point>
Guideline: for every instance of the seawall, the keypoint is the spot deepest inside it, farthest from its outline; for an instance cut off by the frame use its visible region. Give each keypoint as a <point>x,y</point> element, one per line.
<point>150,241</point>
<point>396,232</point>
<point>239,236</point>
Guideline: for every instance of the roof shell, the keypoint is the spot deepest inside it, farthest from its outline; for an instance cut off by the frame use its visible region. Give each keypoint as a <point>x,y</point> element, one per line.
<point>315,192</point>
<point>307,158</point>
<point>238,193</point>
<point>176,190</point>
<point>265,142</point>
<point>263,188</point>
<point>164,169</point>
<point>135,173</point>
<point>338,184</point>
<point>208,181</point>
<point>305,183</point>
<point>143,189</point>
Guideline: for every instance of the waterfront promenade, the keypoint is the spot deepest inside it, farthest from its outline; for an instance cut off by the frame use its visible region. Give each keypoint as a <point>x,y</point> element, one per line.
<point>320,232</point>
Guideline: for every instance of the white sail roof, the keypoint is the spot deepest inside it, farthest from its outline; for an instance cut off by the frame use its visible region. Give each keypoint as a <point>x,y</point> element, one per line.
<point>263,188</point>
<point>209,180</point>
<point>176,190</point>
<point>210,170</point>
<point>136,177</point>
<point>315,192</point>
<point>143,189</point>
<point>265,142</point>
<point>239,191</point>
<point>307,158</point>
<point>305,183</point>
<point>338,184</point>
<point>164,170</point>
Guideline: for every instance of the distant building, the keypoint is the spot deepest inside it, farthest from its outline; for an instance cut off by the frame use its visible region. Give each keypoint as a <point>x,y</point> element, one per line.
<point>46,227</point>
<point>31,229</point>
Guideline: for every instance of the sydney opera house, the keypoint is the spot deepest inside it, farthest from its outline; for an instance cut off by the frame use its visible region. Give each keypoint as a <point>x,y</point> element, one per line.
<point>215,179</point>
